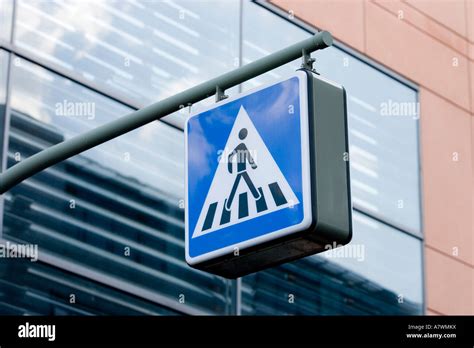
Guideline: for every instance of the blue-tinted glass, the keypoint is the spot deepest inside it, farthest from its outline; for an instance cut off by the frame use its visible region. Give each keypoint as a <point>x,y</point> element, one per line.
<point>145,50</point>
<point>3,75</point>
<point>3,93</point>
<point>34,288</point>
<point>6,15</point>
<point>116,209</point>
<point>379,273</point>
<point>391,259</point>
<point>263,33</point>
<point>383,133</point>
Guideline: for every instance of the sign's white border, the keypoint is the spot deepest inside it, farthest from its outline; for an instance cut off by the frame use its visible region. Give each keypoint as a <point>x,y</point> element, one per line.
<point>307,215</point>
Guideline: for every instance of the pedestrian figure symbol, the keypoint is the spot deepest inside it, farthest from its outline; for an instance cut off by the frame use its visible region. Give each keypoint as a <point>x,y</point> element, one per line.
<point>247,183</point>
<point>243,155</point>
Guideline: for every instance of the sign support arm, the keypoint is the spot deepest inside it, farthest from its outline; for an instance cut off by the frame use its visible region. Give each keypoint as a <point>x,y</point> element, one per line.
<point>82,142</point>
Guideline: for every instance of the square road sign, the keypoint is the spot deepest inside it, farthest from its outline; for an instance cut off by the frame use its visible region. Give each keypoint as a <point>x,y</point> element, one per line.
<point>249,191</point>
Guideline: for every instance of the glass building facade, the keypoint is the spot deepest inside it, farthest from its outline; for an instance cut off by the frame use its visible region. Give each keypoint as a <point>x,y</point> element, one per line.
<point>109,222</point>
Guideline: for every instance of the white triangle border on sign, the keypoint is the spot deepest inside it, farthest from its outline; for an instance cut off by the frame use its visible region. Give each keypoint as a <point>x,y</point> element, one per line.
<point>266,164</point>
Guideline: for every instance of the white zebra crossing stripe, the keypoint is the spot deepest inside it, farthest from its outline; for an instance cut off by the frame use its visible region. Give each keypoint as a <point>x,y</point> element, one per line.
<point>264,174</point>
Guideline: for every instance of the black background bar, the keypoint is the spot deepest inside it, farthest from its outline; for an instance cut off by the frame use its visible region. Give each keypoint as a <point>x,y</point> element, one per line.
<point>244,330</point>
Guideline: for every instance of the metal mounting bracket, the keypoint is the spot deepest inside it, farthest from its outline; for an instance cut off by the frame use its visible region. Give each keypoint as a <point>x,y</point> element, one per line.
<point>307,61</point>
<point>220,94</point>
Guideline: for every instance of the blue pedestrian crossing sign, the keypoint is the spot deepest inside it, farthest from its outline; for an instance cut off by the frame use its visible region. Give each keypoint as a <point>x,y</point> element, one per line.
<point>248,178</point>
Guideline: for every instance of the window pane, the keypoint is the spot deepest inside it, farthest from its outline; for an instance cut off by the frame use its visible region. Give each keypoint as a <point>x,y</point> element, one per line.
<point>115,209</point>
<point>379,273</point>
<point>391,259</point>
<point>33,288</point>
<point>263,33</point>
<point>383,133</point>
<point>3,92</point>
<point>145,50</point>
<point>3,75</point>
<point>6,14</point>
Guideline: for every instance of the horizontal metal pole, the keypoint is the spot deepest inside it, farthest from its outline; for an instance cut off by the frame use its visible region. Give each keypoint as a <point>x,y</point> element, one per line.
<point>153,112</point>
